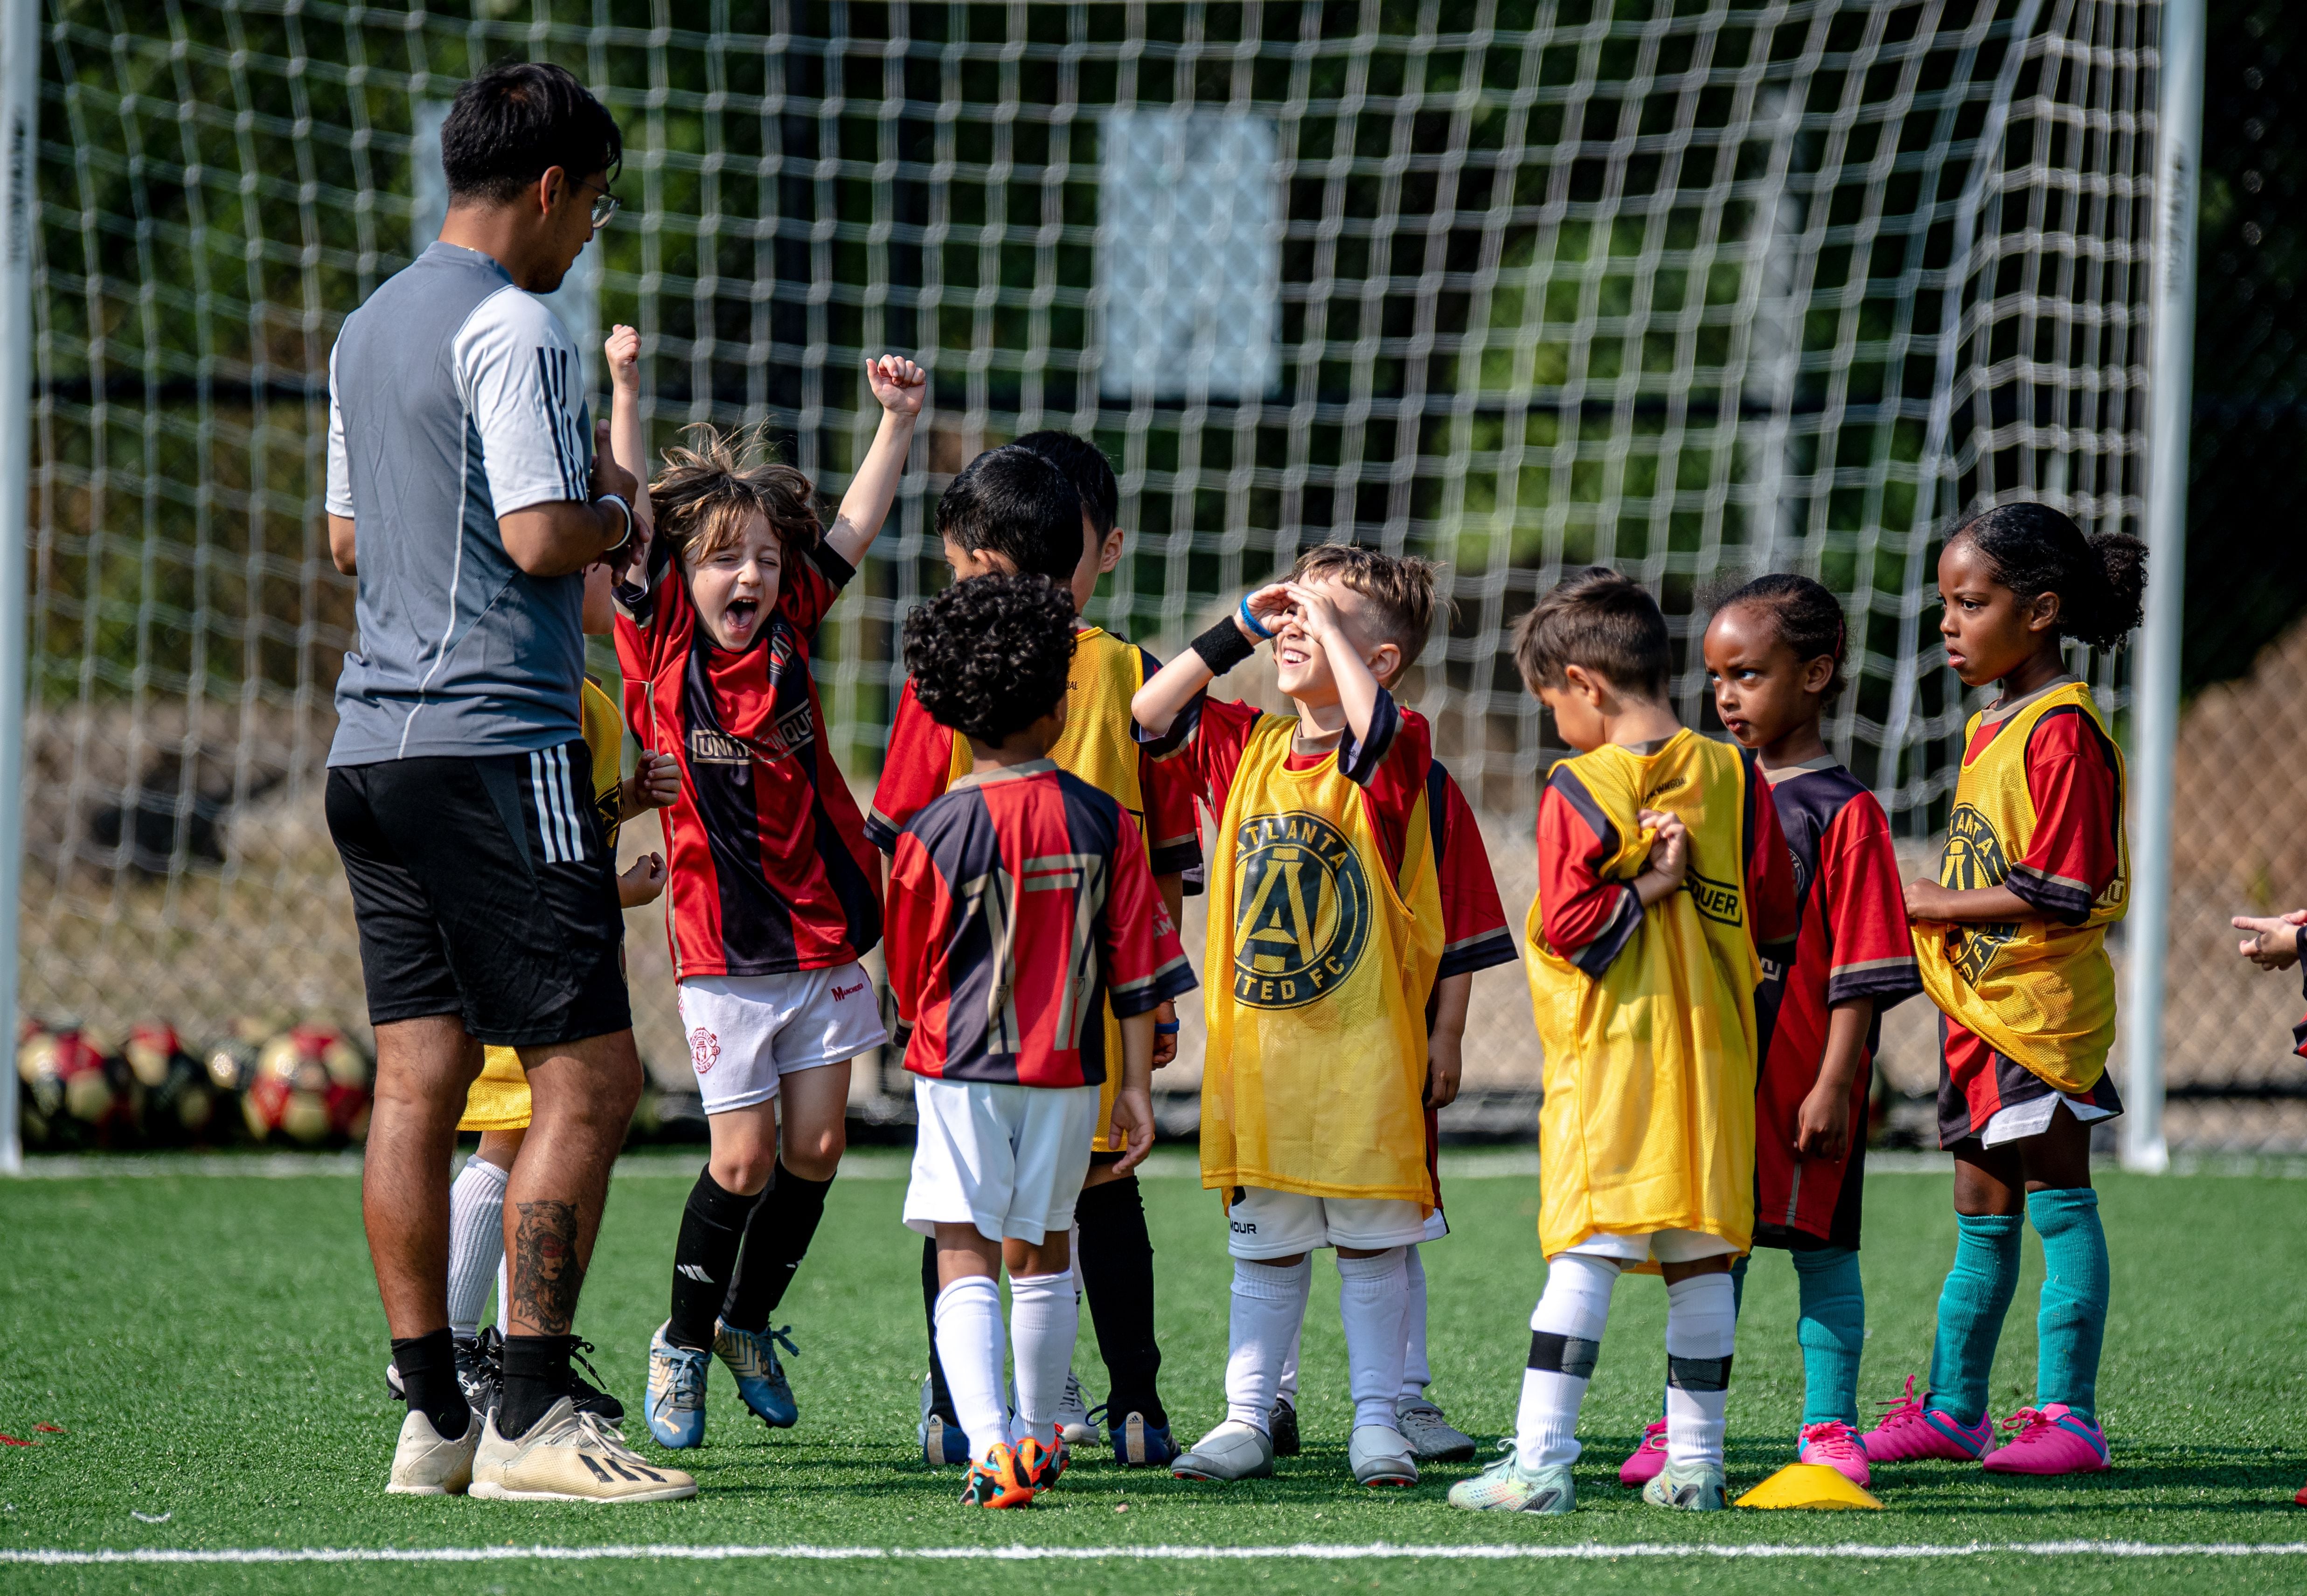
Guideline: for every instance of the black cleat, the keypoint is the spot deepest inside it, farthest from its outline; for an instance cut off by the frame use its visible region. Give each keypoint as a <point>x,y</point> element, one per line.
<point>1282,1426</point>
<point>587,1397</point>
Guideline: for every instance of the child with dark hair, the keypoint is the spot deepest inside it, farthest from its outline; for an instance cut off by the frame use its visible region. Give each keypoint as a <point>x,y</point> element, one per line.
<point>1663,895</point>
<point>1021,910</point>
<point>775,893</point>
<point>2012,942</point>
<point>1774,653</point>
<point>1114,1252</point>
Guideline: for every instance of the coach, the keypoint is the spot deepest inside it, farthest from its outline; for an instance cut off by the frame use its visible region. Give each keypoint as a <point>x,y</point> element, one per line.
<point>464,490</point>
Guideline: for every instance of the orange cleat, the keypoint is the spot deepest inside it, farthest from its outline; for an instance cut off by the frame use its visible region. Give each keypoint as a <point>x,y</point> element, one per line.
<point>1040,1466</point>
<point>999,1480</point>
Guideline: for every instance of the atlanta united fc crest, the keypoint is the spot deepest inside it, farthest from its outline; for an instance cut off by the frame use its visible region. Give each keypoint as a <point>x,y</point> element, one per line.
<point>1303,918</point>
<point>1972,859</point>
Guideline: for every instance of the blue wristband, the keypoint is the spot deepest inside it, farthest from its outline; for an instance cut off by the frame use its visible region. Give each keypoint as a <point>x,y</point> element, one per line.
<point>1168,1030</point>
<point>1250,620</point>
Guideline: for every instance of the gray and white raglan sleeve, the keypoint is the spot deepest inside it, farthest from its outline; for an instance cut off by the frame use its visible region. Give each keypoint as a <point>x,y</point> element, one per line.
<point>524,387</point>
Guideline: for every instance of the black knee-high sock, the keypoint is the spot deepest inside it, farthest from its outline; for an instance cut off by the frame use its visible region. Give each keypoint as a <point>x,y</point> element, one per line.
<point>940,1399</point>
<point>1117,1271</point>
<point>712,1228</point>
<point>777,1237</point>
<point>428,1378</point>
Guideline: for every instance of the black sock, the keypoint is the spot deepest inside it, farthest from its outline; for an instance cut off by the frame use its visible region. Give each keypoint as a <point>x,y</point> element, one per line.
<point>712,1227</point>
<point>428,1378</point>
<point>940,1399</point>
<point>1117,1272</point>
<point>536,1377</point>
<point>777,1237</point>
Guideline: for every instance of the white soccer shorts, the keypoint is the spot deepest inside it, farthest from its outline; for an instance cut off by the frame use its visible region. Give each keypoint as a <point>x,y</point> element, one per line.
<point>1667,1247</point>
<point>1009,1160</point>
<point>1280,1225</point>
<point>745,1031</point>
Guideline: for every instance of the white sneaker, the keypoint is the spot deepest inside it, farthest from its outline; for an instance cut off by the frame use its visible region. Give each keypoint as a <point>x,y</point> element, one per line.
<point>1382,1456</point>
<point>569,1456</point>
<point>1074,1427</point>
<point>425,1465</point>
<point>1431,1435</point>
<point>1233,1451</point>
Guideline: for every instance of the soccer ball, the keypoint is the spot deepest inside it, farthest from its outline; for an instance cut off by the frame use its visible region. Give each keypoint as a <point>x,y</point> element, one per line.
<point>77,1094</point>
<point>41,1092</point>
<point>309,1084</point>
<point>180,1104</point>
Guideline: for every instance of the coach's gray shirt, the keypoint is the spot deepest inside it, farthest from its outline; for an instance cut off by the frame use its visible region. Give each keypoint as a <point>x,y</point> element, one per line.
<point>455,397</point>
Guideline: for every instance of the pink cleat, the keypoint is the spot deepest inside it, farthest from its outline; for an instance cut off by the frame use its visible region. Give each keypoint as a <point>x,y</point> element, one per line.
<point>1648,1457</point>
<point>1836,1445</point>
<point>1911,1431</point>
<point>2052,1440</point>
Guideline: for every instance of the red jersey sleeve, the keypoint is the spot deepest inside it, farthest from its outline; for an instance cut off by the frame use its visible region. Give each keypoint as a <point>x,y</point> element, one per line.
<point>1144,965</point>
<point>1870,953</point>
<point>1474,934</point>
<point>1585,919</point>
<point>808,584</point>
<point>1391,768</point>
<point>1204,745</point>
<point>1777,913</point>
<point>1173,830</point>
<point>2071,777</point>
<point>915,770</point>
<point>916,908</point>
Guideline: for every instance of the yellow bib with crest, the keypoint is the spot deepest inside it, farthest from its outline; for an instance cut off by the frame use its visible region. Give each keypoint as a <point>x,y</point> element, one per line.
<point>1099,746</point>
<point>1316,974</point>
<point>2034,990</point>
<point>1648,1122</point>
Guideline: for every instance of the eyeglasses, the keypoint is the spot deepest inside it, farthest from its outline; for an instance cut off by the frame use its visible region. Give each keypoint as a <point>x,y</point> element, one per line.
<point>605,204</point>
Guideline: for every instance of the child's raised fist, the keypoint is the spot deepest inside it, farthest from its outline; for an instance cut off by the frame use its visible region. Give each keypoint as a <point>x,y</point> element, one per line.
<point>642,882</point>
<point>898,383</point>
<point>623,352</point>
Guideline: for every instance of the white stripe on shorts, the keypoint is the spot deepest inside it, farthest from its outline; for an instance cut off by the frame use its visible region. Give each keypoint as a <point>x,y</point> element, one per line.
<point>543,807</point>
<point>569,817</point>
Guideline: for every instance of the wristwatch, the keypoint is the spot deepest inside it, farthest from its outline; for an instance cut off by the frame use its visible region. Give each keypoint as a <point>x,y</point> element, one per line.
<point>627,537</point>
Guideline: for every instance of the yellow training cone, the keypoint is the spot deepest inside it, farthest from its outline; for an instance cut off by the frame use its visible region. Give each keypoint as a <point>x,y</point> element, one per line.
<point>1808,1485</point>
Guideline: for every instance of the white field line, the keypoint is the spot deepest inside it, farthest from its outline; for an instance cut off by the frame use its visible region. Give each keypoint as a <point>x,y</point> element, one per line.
<point>1584,1551</point>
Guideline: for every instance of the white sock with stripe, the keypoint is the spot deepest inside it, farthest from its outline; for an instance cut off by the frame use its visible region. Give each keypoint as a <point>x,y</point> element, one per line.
<point>1044,1317</point>
<point>475,1242</point>
<point>1373,1294</point>
<point>1702,1330</point>
<point>1566,1332</point>
<point>969,1347</point>
<point>1269,1309</point>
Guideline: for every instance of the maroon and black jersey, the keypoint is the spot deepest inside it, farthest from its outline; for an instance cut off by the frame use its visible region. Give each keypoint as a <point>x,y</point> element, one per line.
<point>1020,904</point>
<point>1853,943</point>
<point>769,868</point>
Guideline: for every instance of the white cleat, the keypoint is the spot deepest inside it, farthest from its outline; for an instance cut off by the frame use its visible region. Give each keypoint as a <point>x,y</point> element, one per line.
<point>425,1465</point>
<point>569,1456</point>
<point>1382,1456</point>
<point>1233,1451</point>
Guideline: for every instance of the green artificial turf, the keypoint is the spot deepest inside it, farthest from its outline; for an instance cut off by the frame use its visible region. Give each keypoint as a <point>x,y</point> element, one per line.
<point>212,1351</point>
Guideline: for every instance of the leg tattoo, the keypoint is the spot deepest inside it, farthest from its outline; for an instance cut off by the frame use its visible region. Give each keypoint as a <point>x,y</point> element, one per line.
<point>546,1273</point>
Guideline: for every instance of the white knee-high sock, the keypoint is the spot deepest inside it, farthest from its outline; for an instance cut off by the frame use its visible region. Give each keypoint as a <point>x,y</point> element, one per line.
<point>504,1293</point>
<point>476,1241</point>
<point>1415,1375</point>
<point>1373,1297</point>
<point>1287,1388</point>
<point>969,1348</point>
<point>1044,1317</point>
<point>1701,1327</point>
<point>1269,1309</point>
<point>1566,1332</point>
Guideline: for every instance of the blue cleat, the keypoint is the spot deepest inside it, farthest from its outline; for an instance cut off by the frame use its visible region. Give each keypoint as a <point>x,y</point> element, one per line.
<point>675,1407</point>
<point>1137,1445</point>
<point>943,1445</point>
<point>751,1356</point>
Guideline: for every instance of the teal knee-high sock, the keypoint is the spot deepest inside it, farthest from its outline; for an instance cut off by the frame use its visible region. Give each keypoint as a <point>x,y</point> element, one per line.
<point>1833,1330</point>
<point>2072,1318</point>
<point>1971,1305</point>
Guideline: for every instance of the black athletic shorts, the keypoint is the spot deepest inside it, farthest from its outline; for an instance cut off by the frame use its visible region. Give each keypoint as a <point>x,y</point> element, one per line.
<point>484,887</point>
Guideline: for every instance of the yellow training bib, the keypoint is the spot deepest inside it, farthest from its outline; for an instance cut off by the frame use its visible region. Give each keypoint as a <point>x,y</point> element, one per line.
<point>1316,974</point>
<point>1648,1118</point>
<point>498,1098</point>
<point>2034,990</point>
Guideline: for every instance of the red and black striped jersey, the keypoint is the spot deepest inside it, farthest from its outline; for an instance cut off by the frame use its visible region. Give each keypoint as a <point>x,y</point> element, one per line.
<point>1854,943</point>
<point>1020,904</point>
<point>769,868</point>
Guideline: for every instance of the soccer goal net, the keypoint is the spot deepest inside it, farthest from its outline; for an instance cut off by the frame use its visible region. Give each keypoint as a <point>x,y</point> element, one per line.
<point>1696,288</point>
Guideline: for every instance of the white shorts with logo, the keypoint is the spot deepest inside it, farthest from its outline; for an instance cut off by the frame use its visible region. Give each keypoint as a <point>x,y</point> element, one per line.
<point>1666,1247</point>
<point>745,1031</point>
<point>1009,1160</point>
<point>1277,1224</point>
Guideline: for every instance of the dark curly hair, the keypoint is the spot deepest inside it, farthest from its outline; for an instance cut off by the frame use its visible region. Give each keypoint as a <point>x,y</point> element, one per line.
<point>2101,581</point>
<point>1807,617</point>
<point>990,655</point>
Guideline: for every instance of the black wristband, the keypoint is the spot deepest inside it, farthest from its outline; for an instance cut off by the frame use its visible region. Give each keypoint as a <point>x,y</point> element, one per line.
<point>1222,647</point>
